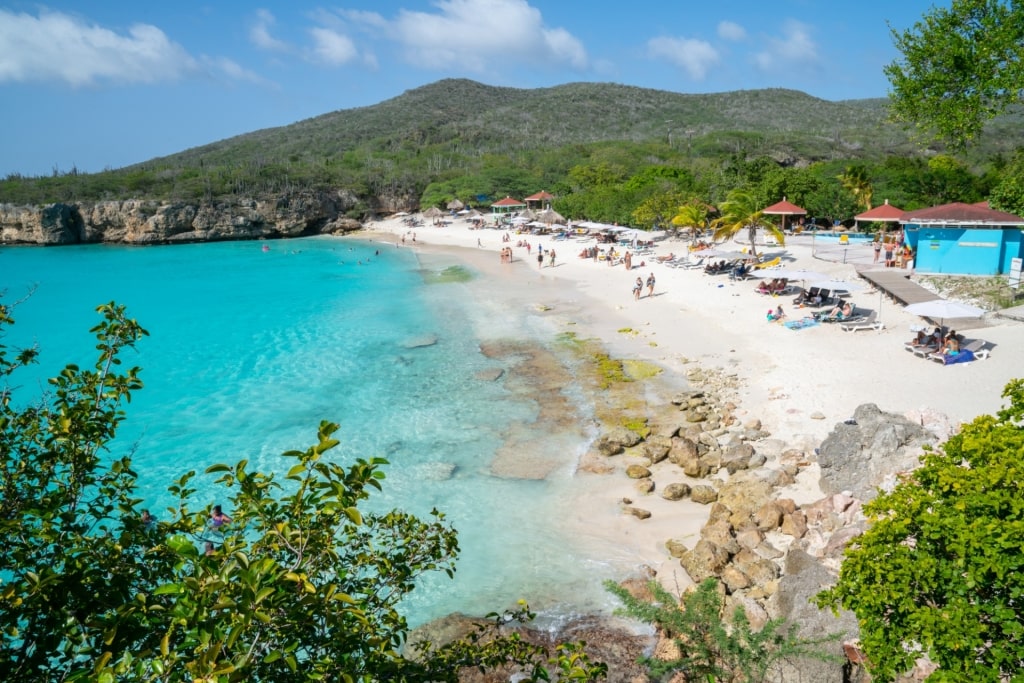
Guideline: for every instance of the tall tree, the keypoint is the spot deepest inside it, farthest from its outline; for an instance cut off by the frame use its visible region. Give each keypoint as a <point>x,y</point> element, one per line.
<point>740,211</point>
<point>856,181</point>
<point>692,215</point>
<point>960,67</point>
<point>940,570</point>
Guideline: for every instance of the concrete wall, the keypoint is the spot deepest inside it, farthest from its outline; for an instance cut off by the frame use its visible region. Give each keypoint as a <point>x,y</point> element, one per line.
<point>963,250</point>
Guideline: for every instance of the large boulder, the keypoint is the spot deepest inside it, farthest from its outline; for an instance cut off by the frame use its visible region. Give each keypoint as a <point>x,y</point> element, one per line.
<point>675,491</point>
<point>803,578</point>
<point>705,560</point>
<point>616,440</point>
<point>865,453</point>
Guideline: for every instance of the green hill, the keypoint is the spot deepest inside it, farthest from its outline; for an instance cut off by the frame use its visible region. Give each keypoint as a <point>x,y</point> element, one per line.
<point>457,128</point>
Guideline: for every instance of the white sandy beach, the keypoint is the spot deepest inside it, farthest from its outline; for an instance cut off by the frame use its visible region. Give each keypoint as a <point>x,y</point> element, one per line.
<point>786,376</point>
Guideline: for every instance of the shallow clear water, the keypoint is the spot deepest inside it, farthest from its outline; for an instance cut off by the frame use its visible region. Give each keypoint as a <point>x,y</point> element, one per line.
<point>251,349</point>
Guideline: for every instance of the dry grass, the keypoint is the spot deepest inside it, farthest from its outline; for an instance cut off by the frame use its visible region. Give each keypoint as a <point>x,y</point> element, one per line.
<point>990,293</point>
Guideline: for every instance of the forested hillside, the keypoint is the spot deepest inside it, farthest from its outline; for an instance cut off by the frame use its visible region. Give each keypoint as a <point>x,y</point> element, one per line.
<point>459,138</point>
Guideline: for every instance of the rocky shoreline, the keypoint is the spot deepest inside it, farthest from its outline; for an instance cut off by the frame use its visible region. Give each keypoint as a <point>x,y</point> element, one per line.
<point>155,222</point>
<point>769,553</point>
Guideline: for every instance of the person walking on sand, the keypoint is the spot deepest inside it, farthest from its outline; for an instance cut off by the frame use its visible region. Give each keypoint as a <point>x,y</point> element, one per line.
<point>540,258</point>
<point>551,258</point>
<point>650,284</point>
<point>638,287</point>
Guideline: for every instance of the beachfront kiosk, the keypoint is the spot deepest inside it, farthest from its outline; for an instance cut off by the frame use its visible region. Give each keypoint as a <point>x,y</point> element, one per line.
<point>963,239</point>
<point>507,205</point>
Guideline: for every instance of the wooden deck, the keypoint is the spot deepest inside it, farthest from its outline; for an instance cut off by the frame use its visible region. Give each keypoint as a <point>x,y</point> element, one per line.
<point>895,284</point>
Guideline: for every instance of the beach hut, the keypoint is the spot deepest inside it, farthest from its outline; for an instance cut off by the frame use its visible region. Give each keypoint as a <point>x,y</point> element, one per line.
<point>963,239</point>
<point>883,213</point>
<point>542,199</point>
<point>784,208</point>
<point>507,205</point>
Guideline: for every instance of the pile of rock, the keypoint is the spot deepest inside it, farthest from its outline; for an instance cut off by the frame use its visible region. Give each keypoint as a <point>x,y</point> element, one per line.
<point>769,554</point>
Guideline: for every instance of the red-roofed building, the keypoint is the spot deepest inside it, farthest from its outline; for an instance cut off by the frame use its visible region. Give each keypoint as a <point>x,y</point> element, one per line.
<point>507,205</point>
<point>542,199</point>
<point>883,213</point>
<point>963,239</point>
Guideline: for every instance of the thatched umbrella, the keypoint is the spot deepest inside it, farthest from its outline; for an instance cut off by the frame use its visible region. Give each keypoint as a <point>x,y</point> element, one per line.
<point>456,205</point>
<point>550,216</point>
<point>433,212</point>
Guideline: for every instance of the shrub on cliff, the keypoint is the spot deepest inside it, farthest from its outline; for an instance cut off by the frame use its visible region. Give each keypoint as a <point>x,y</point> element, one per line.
<point>707,647</point>
<point>940,571</point>
<point>296,583</point>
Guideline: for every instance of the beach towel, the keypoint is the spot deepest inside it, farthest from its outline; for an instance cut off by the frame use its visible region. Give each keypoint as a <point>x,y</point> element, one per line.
<point>959,357</point>
<point>801,323</point>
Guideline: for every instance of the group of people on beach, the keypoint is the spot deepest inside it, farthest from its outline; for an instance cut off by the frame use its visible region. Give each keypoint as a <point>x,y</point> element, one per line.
<point>638,287</point>
<point>897,254</point>
<point>937,341</point>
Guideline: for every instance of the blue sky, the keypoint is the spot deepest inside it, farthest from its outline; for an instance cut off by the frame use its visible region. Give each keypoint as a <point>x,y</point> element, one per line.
<point>93,85</point>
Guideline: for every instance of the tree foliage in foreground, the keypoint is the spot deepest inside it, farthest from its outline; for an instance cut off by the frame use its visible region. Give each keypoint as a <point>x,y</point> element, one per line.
<point>710,649</point>
<point>940,571</point>
<point>300,585</point>
<point>960,67</point>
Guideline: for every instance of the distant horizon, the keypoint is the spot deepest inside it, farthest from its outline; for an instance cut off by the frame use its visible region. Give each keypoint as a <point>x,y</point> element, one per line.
<point>122,83</point>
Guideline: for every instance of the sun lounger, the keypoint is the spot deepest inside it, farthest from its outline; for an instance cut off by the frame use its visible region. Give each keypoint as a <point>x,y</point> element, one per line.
<point>976,348</point>
<point>866,322</point>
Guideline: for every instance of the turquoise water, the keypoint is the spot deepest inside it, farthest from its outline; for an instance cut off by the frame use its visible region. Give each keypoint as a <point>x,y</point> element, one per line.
<point>251,349</point>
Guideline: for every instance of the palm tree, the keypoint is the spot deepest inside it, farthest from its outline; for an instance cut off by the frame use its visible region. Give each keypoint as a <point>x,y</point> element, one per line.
<point>740,211</point>
<point>693,215</point>
<point>855,179</point>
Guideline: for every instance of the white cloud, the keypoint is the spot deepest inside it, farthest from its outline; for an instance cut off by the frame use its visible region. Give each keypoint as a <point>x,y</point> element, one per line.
<point>232,70</point>
<point>474,35</point>
<point>728,30</point>
<point>259,32</point>
<point>60,47</point>
<point>692,55</point>
<point>331,47</point>
<point>795,49</point>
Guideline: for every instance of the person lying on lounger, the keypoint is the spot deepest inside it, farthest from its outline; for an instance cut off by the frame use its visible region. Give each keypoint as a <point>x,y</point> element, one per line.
<point>811,297</point>
<point>838,313</point>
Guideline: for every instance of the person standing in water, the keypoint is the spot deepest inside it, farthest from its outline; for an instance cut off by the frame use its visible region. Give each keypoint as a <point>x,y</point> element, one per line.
<point>218,518</point>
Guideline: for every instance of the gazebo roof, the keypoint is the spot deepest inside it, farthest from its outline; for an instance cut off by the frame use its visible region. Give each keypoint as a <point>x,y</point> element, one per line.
<point>883,212</point>
<point>784,208</point>
<point>540,196</point>
<point>508,201</point>
<point>959,213</point>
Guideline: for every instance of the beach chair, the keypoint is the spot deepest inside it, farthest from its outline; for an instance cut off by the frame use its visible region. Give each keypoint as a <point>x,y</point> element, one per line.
<point>864,322</point>
<point>975,348</point>
<point>768,264</point>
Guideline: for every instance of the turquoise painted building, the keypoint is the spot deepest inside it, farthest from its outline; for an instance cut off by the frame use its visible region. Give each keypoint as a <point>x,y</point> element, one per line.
<point>963,239</point>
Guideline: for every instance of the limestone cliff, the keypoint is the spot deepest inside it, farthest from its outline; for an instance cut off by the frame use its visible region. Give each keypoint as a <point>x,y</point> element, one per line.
<point>155,222</point>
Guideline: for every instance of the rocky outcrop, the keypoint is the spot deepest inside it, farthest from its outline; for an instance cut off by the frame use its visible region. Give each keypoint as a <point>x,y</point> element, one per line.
<point>865,453</point>
<point>154,222</point>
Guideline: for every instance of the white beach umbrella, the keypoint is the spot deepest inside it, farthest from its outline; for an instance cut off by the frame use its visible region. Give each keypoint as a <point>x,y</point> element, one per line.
<point>797,274</point>
<point>727,255</point>
<point>837,285</point>
<point>944,308</point>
